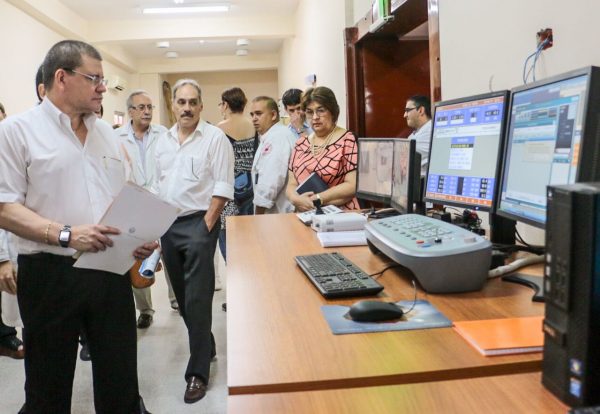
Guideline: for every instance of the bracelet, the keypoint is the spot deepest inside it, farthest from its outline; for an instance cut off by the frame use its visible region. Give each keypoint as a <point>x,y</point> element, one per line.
<point>47,231</point>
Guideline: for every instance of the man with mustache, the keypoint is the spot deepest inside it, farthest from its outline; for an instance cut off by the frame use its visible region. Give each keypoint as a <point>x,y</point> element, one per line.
<point>195,173</point>
<point>139,137</point>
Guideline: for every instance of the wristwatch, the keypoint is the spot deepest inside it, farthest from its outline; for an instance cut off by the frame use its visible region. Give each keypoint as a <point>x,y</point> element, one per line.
<point>64,237</point>
<point>318,202</point>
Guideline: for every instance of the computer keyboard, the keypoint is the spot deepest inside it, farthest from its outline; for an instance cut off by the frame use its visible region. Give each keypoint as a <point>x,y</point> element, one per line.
<point>335,276</point>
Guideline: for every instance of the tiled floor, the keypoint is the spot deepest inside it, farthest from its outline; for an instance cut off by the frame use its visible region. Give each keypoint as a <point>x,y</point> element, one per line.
<point>162,357</point>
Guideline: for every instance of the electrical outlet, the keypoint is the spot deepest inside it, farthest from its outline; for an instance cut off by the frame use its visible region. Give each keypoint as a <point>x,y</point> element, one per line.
<point>545,34</point>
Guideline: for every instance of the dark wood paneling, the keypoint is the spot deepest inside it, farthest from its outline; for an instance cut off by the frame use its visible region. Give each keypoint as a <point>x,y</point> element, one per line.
<point>393,70</point>
<point>353,114</point>
<point>434,51</point>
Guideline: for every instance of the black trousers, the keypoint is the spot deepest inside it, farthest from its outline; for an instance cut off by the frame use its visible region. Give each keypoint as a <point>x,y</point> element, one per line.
<point>188,250</point>
<point>56,300</point>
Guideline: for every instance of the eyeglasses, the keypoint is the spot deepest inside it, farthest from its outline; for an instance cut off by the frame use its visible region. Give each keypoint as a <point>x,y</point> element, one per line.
<point>95,79</point>
<point>141,107</point>
<point>320,111</point>
<point>407,110</point>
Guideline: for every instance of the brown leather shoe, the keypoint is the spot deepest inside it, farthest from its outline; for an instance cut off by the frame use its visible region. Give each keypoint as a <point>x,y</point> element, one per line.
<point>195,390</point>
<point>12,347</point>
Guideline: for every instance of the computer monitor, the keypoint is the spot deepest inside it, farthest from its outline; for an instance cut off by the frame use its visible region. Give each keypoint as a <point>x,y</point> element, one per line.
<point>552,138</point>
<point>466,143</point>
<point>375,158</point>
<point>406,176</point>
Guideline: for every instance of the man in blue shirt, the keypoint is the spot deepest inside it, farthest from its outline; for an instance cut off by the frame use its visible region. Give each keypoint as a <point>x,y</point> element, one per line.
<point>291,102</point>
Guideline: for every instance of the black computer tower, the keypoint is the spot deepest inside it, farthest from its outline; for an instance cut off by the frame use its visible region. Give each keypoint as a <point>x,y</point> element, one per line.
<point>571,365</point>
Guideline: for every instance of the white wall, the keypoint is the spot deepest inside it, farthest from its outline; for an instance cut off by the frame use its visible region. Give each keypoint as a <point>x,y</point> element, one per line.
<point>318,48</point>
<point>22,56</point>
<point>253,83</point>
<point>359,9</point>
<point>488,41</point>
<point>481,39</point>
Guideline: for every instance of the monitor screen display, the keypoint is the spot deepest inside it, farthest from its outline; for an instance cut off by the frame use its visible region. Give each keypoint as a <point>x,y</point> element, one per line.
<point>406,175</point>
<point>465,147</point>
<point>374,180</point>
<point>543,145</point>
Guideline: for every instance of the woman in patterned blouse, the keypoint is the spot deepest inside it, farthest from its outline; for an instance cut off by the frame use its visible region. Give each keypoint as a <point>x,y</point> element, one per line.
<point>330,151</point>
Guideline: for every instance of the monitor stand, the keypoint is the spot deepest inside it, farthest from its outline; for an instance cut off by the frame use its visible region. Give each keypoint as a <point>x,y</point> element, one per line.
<point>502,230</point>
<point>534,282</point>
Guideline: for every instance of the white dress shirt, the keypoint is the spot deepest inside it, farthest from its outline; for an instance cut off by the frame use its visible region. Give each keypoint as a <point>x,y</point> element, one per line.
<point>45,167</point>
<point>423,138</point>
<point>190,174</point>
<point>270,169</point>
<point>141,163</point>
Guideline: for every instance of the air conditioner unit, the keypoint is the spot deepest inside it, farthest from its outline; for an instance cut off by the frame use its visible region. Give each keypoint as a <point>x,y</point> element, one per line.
<point>115,82</point>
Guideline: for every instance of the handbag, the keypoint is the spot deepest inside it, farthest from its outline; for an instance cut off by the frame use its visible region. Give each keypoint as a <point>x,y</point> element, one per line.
<point>137,280</point>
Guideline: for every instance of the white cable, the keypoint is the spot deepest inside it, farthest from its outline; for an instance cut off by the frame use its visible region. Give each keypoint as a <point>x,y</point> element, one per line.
<point>517,264</point>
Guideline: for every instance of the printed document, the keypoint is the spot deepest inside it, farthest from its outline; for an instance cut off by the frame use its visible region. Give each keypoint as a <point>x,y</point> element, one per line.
<point>141,217</point>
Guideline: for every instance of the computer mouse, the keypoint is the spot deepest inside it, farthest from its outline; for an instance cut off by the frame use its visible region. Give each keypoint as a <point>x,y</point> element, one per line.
<point>374,311</point>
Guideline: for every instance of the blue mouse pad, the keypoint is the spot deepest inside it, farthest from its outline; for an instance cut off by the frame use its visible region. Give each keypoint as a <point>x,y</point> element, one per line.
<point>423,316</point>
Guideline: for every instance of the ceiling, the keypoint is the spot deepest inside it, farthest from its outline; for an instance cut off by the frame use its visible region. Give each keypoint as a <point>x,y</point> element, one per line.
<point>94,10</point>
<point>187,47</point>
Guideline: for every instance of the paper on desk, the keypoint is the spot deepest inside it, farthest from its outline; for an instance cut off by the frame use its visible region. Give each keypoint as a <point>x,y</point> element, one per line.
<point>141,216</point>
<point>342,238</point>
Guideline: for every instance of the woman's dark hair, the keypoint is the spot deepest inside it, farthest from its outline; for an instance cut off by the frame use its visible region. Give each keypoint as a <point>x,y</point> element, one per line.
<point>323,96</point>
<point>235,98</point>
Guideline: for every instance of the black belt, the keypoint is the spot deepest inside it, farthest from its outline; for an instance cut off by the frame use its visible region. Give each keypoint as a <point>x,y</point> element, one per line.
<point>197,214</point>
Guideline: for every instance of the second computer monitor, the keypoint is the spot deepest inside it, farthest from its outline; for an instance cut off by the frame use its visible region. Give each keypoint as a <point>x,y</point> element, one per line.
<point>406,185</point>
<point>374,181</point>
<point>466,144</point>
<point>552,138</point>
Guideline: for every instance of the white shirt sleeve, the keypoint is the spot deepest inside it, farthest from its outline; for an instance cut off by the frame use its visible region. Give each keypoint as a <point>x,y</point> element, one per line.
<point>13,167</point>
<point>4,256</point>
<point>222,166</point>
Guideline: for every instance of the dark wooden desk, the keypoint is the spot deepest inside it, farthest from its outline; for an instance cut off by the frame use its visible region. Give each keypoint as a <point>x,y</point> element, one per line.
<point>278,340</point>
<point>510,394</point>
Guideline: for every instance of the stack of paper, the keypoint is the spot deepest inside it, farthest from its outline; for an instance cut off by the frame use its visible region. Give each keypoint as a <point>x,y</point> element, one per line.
<point>342,238</point>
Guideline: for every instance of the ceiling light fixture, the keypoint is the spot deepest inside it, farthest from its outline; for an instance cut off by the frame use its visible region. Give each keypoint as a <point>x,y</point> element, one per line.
<point>177,1</point>
<point>201,41</point>
<point>191,9</point>
<point>172,55</point>
<point>241,52</point>
<point>163,45</point>
<point>242,42</point>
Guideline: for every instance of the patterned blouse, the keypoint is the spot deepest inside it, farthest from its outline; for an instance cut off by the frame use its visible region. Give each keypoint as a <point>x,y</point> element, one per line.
<point>332,164</point>
<point>243,151</point>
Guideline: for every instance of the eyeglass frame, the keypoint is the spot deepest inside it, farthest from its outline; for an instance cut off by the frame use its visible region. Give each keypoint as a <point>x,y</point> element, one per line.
<point>95,79</point>
<point>407,110</point>
<point>320,112</point>
<point>141,107</point>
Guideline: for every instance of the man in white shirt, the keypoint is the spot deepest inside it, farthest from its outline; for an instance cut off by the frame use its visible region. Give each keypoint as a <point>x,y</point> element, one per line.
<point>270,166</point>
<point>417,113</point>
<point>139,138</point>
<point>61,168</point>
<point>195,173</point>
